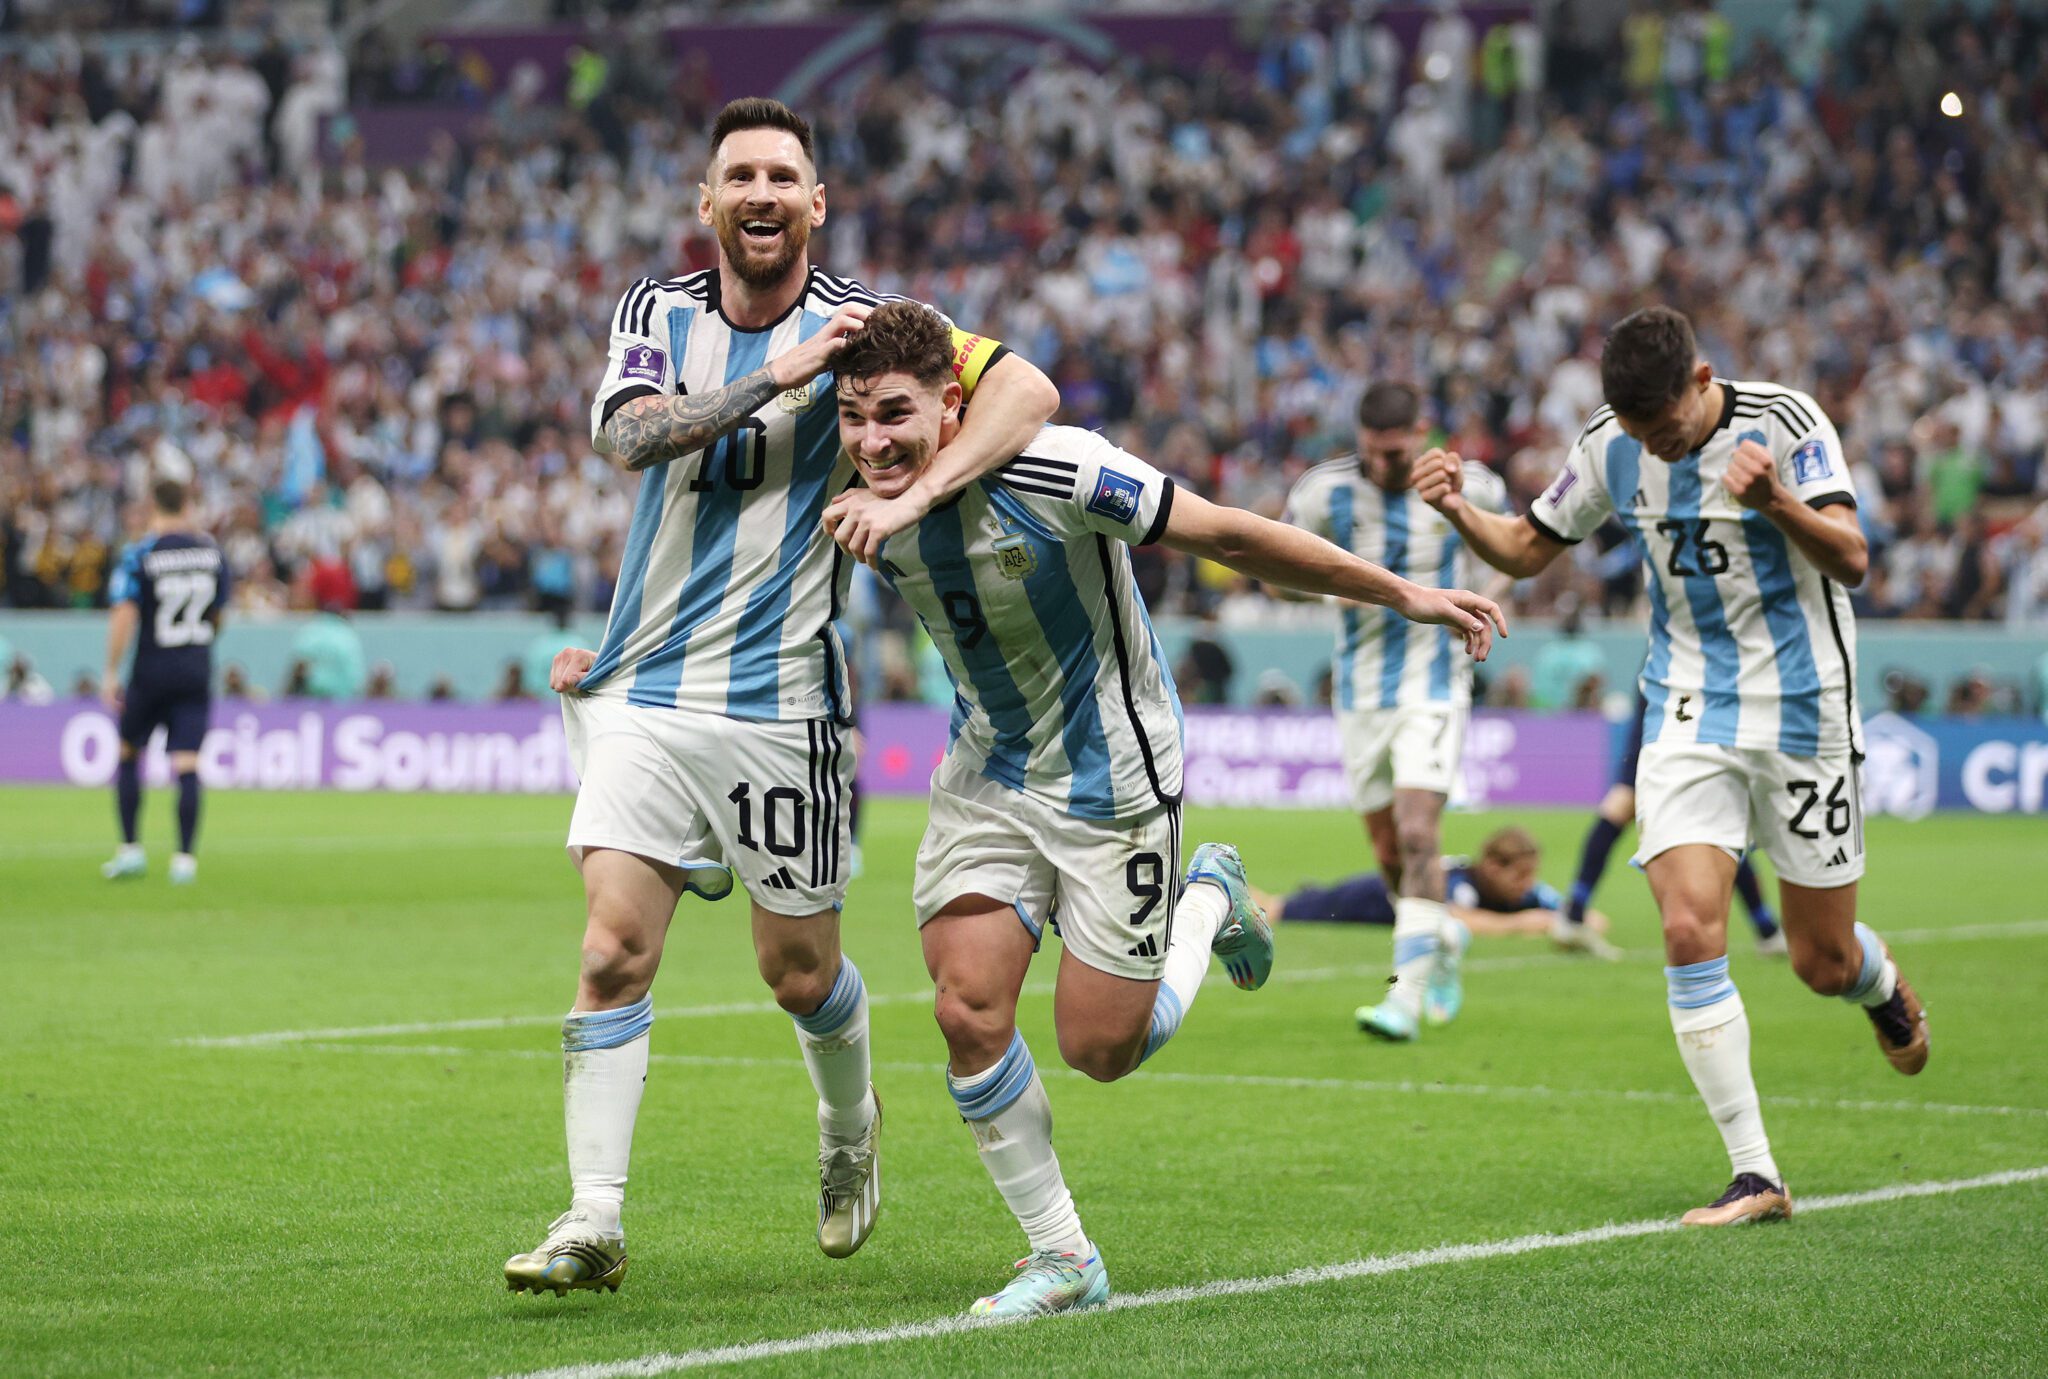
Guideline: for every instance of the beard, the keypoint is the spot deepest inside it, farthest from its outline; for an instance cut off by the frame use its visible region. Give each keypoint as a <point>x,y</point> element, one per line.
<point>745,260</point>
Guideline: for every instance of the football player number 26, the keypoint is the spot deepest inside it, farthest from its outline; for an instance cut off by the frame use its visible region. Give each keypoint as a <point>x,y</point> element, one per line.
<point>772,815</point>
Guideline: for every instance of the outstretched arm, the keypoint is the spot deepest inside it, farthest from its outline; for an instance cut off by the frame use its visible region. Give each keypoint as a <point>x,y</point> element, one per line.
<point>1282,555</point>
<point>1511,545</point>
<point>653,430</point>
<point>1012,403</point>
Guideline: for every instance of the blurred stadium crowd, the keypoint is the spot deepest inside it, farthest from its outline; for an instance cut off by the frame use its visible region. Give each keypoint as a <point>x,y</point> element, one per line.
<point>382,374</point>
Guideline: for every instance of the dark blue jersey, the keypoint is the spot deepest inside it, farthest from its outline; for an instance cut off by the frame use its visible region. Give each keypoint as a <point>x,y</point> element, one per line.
<point>1364,899</point>
<point>179,583</point>
<point>1460,889</point>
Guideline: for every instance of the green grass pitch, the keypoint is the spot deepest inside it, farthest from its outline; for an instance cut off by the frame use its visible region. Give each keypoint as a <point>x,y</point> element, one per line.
<point>339,1202</point>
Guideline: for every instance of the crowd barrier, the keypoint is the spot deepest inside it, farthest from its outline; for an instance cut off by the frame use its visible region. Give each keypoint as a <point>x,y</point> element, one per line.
<point>1272,758</point>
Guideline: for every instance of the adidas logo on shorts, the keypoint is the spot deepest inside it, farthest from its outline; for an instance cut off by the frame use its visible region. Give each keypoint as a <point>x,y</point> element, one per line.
<point>1148,949</point>
<point>1840,858</point>
<point>782,880</point>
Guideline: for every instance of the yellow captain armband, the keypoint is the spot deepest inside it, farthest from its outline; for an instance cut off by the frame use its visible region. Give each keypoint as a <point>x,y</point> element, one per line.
<point>972,357</point>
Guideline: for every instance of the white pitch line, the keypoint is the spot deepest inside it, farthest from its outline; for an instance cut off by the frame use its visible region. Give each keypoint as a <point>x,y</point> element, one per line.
<point>1314,1084</point>
<point>373,842</point>
<point>1373,1266</point>
<point>1505,963</point>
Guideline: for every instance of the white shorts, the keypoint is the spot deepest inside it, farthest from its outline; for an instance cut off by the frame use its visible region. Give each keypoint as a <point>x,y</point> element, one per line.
<point>1806,813</point>
<point>715,796</point>
<point>1108,888</point>
<point>1410,747</point>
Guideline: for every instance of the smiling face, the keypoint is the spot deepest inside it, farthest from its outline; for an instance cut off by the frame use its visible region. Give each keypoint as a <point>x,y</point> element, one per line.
<point>1683,424</point>
<point>763,199</point>
<point>891,424</point>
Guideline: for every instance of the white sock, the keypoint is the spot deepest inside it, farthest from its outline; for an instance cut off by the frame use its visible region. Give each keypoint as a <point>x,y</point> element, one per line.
<point>835,1044</point>
<point>1201,912</point>
<point>1011,1117</point>
<point>1418,932</point>
<point>1713,1039</point>
<point>1880,975</point>
<point>604,1070</point>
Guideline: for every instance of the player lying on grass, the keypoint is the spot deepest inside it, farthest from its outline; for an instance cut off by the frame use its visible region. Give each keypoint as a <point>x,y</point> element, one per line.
<point>1058,801</point>
<point>1493,894</point>
<point>708,730</point>
<point>1739,497</point>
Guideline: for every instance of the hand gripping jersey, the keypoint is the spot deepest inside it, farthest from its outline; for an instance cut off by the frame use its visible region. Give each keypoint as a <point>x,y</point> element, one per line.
<point>1024,584</point>
<point>1750,644</point>
<point>728,586</point>
<point>1383,661</point>
<point>177,580</point>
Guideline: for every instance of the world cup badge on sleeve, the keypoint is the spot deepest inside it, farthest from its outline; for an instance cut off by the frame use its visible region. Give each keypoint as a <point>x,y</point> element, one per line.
<point>1810,462</point>
<point>644,362</point>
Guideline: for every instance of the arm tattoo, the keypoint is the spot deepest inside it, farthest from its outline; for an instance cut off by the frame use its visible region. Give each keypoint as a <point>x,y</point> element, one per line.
<point>652,430</point>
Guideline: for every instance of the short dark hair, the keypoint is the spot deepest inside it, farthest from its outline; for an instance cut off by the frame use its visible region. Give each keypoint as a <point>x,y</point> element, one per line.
<point>1647,362</point>
<point>1390,407</point>
<point>759,112</point>
<point>899,337</point>
<point>169,496</point>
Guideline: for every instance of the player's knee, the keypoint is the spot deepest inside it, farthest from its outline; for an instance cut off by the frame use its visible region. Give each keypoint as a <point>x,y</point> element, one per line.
<point>1690,934</point>
<point>1103,1059</point>
<point>800,990</point>
<point>1826,969</point>
<point>615,967</point>
<point>977,1030</point>
<point>1417,840</point>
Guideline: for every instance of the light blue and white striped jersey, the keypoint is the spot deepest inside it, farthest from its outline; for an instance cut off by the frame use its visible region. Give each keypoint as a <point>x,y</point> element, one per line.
<point>728,586</point>
<point>1750,644</point>
<point>1383,661</point>
<point>1024,583</point>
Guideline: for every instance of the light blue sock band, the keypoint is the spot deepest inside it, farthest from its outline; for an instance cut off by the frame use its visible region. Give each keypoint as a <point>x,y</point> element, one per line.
<point>1409,947</point>
<point>848,991</point>
<point>992,1092</point>
<point>1873,963</point>
<point>1166,1016</point>
<point>583,1030</point>
<point>1699,984</point>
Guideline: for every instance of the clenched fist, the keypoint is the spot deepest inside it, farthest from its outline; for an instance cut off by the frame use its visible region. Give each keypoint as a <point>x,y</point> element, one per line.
<point>1752,477</point>
<point>572,663</point>
<point>1438,478</point>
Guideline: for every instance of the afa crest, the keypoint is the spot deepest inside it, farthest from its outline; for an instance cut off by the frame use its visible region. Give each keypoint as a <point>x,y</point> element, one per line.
<point>797,399</point>
<point>1016,558</point>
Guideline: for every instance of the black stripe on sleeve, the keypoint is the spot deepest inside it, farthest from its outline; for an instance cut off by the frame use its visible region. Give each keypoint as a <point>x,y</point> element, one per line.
<point>1831,500</point>
<point>1046,489</point>
<point>1158,527</point>
<point>1041,462</point>
<point>1543,529</point>
<point>624,396</point>
<point>1002,352</point>
<point>1793,407</point>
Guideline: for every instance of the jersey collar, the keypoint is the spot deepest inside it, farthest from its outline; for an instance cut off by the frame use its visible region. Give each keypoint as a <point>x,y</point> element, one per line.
<point>1728,400</point>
